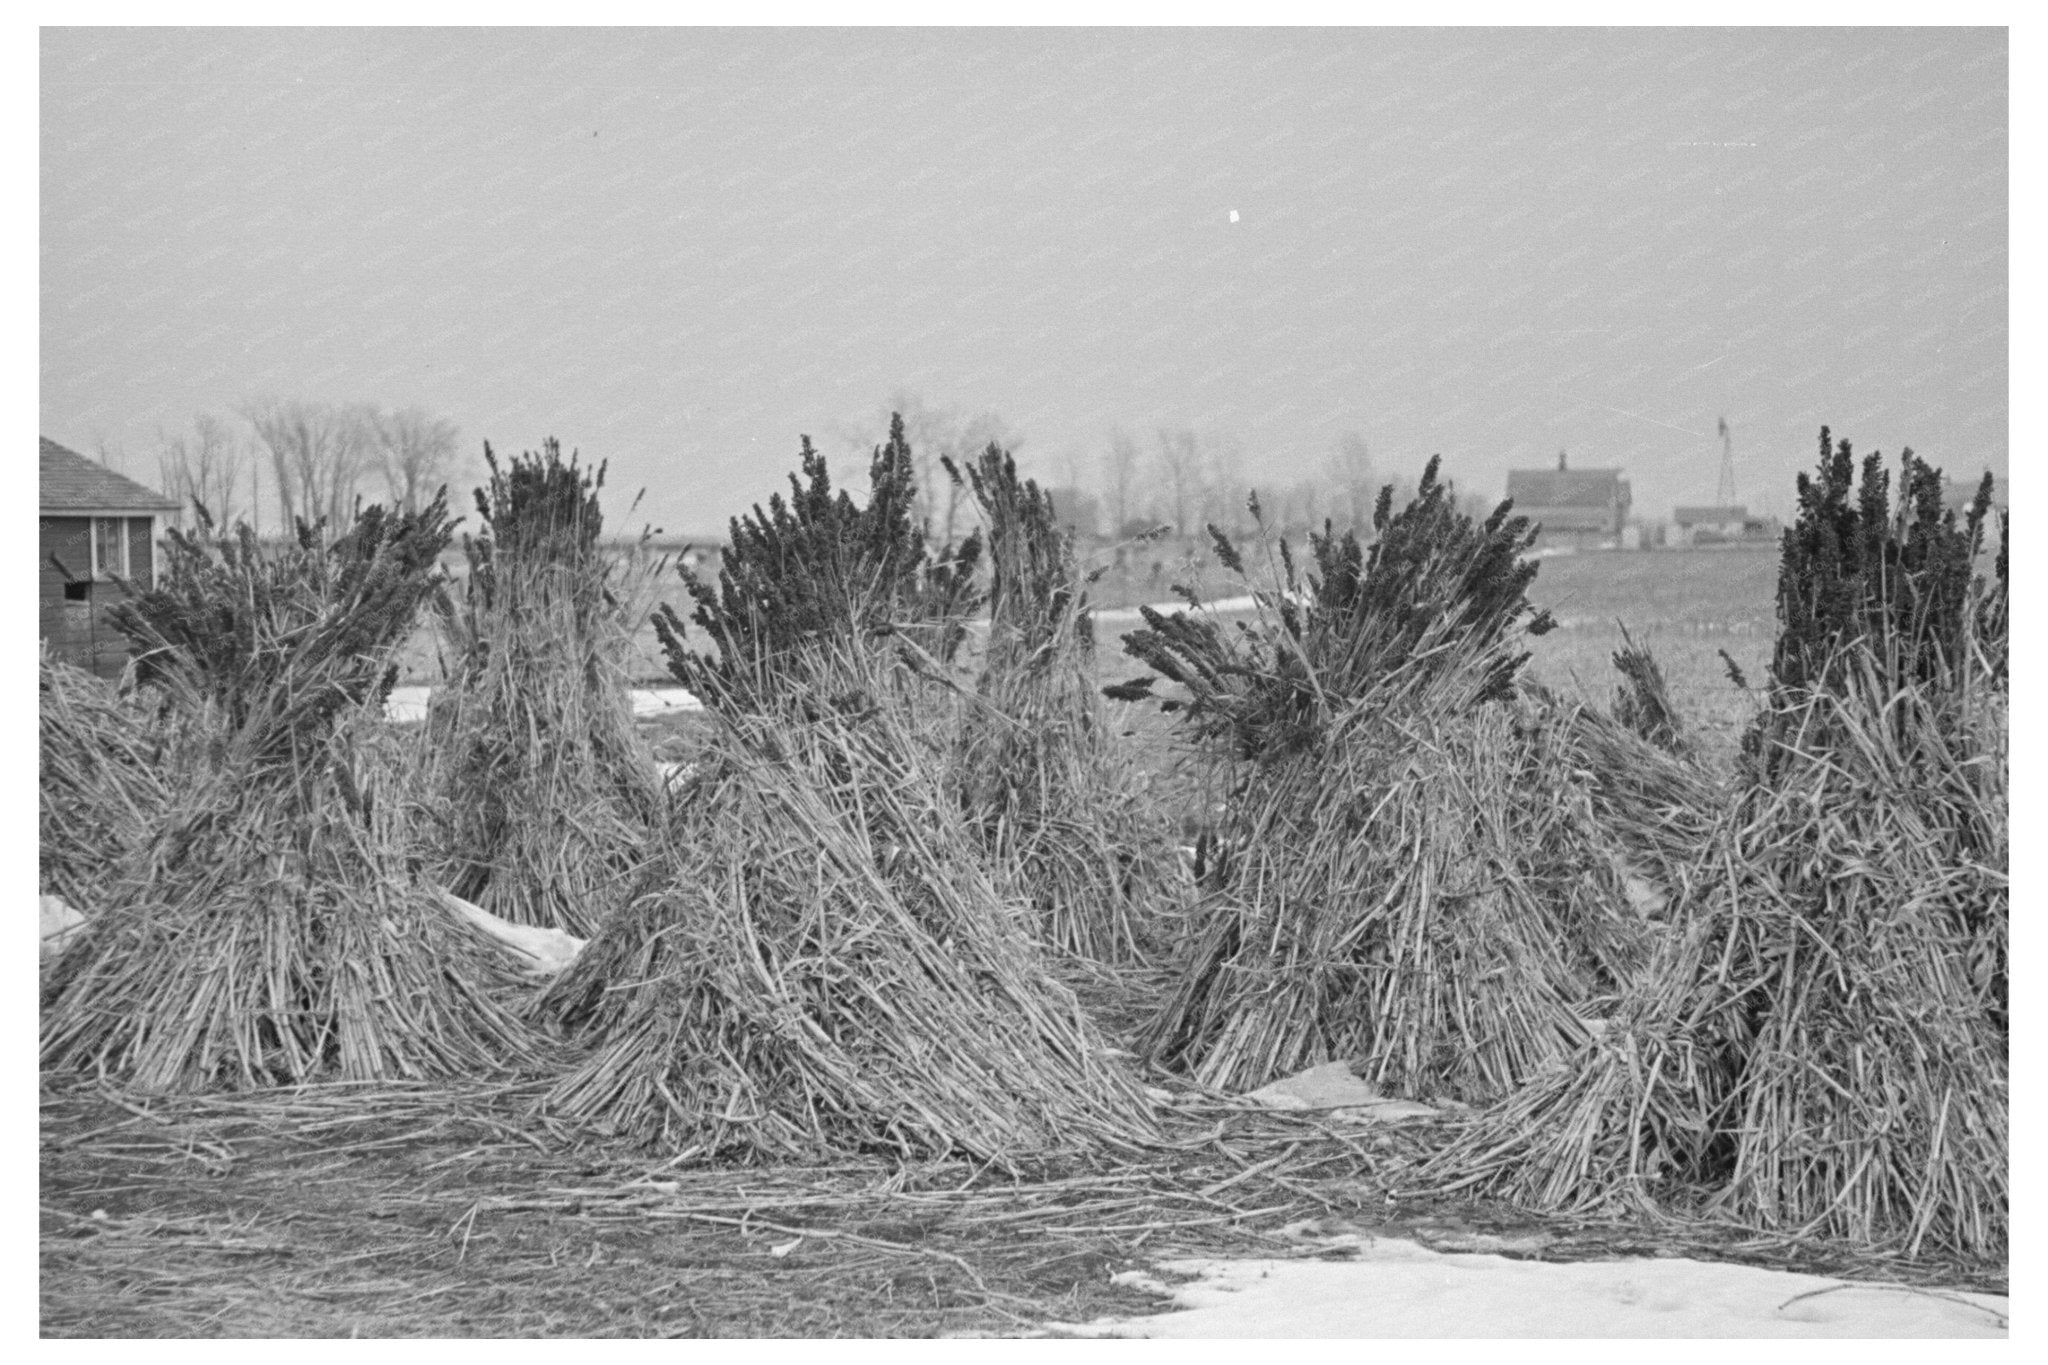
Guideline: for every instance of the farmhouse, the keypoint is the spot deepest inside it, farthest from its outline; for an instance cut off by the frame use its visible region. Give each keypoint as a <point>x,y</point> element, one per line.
<point>1580,508</point>
<point>98,533</point>
<point>1720,525</point>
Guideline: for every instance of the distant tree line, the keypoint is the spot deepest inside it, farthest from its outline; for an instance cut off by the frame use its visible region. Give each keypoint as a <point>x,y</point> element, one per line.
<point>1173,476</point>
<point>935,434</point>
<point>1186,481</point>
<point>301,458</point>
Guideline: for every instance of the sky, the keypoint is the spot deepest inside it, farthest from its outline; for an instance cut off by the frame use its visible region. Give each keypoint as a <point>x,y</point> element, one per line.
<point>679,250</point>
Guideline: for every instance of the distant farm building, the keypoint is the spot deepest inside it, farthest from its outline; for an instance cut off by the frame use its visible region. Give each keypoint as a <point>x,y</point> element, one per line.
<point>1720,525</point>
<point>98,533</point>
<point>1577,508</point>
<point>1961,491</point>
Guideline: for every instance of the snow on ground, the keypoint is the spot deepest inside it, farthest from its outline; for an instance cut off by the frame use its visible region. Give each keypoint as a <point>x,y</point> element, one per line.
<point>1397,1288</point>
<point>662,701</point>
<point>1116,616</point>
<point>408,705</point>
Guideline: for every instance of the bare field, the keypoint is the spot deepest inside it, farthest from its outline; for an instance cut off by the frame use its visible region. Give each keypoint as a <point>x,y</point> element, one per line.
<point>1685,606</point>
<point>1685,603</point>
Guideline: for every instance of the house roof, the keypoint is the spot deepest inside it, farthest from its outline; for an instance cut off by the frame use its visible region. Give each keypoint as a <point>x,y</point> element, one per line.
<point>71,483</point>
<point>1533,488</point>
<point>1709,516</point>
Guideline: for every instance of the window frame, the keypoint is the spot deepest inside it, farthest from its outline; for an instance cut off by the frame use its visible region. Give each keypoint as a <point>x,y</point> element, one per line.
<point>102,572</point>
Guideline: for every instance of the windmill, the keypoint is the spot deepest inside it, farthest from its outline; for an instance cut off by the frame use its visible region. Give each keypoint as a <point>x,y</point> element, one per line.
<point>1724,492</point>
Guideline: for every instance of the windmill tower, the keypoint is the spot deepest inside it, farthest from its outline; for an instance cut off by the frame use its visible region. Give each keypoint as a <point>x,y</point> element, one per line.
<point>1724,491</point>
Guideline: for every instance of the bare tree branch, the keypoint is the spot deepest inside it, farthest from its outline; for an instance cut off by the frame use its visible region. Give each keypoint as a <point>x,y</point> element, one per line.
<point>1294,509</point>
<point>1352,483</point>
<point>1120,481</point>
<point>204,466</point>
<point>1224,483</point>
<point>318,452</point>
<point>1180,468</point>
<point>417,453</point>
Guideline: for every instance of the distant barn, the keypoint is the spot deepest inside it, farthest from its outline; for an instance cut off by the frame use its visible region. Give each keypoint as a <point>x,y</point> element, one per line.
<point>98,531</point>
<point>1581,508</point>
<point>1959,492</point>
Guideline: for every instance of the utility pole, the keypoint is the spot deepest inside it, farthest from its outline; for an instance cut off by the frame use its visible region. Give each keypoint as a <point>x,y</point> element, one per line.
<point>1724,492</point>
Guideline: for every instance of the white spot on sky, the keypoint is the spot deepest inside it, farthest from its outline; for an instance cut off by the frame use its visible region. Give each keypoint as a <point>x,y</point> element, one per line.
<point>1233,215</point>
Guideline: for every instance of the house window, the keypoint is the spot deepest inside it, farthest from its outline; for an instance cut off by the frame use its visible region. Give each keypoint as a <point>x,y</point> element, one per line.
<point>109,547</point>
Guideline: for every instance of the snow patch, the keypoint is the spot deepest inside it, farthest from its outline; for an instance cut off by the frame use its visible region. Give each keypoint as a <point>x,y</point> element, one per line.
<point>1119,615</point>
<point>60,924</point>
<point>544,952</point>
<point>1333,1086</point>
<point>408,705</point>
<point>1398,1288</point>
<point>661,701</point>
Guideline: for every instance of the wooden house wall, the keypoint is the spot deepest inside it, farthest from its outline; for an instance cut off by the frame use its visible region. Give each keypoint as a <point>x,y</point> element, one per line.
<point>78,630</point>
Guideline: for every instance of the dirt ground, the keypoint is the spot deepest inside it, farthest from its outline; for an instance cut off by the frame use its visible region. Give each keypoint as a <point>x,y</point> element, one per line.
<point>466,1210</point>
<point>344,1211</point>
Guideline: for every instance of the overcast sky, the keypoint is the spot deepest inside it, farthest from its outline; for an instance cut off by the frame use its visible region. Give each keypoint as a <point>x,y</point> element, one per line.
<point>680,249</point>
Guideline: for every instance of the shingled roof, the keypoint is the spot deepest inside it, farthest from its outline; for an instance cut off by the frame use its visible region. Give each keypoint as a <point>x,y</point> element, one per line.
<point>1532,488</point>
<point>72,484</point>
<point>1710,516</point>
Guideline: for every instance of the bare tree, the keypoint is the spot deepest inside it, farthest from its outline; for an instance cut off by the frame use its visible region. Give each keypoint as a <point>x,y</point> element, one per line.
<point>1120,481</point>
<point>1180,470</point>
<point>1295,509</point>
<point>204,466</point>
<point>1070,467</point>
<point>109,451</point>
<point>417,452</point>
<point>1224,483</point>
<point>1351,477</point>
<point>318,452</point>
